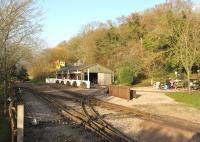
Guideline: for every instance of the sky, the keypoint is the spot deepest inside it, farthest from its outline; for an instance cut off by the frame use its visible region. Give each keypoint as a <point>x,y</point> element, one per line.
<point>63,19</point>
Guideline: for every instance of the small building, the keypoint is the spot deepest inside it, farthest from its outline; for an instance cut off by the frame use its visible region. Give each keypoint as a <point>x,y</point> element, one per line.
<point>90,74</point>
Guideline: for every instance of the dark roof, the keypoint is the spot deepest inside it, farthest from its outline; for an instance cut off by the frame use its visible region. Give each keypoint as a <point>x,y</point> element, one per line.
<point>95,68</point>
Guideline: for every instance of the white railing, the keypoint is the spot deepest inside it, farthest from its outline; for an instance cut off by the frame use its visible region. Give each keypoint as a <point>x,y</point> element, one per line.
<point>64,81</point>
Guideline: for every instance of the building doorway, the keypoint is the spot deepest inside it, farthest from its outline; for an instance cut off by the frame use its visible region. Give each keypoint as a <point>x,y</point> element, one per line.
<point>93,78</point>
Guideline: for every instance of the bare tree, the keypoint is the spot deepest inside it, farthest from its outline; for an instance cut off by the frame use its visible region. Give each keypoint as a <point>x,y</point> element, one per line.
<point>18,26</point>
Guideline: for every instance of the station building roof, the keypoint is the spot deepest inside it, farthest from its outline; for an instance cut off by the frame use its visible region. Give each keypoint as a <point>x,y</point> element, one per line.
<point>93,68</point>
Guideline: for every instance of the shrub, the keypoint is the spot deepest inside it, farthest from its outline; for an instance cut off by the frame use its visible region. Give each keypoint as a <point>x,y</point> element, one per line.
<point>62,82</point>
<point>125,75</point>
<point>68,83</point>
<point>57,81</point>
<point>83,85</point>
<point>74,84</point>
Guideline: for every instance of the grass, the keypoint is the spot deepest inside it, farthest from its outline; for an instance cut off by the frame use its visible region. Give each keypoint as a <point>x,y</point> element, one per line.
<point>147,82</point>
<point>37,81</point>
<point>4,124</point>
<point>192,99</point>
<point>143,83</point>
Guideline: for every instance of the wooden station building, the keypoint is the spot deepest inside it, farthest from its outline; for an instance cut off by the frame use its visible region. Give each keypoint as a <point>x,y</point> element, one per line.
<point>90,74</point>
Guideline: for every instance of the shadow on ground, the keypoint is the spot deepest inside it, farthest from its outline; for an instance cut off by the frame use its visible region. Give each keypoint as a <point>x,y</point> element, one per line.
<point>160,135</point>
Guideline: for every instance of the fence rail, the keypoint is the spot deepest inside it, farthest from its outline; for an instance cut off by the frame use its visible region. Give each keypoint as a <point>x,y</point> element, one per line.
<point>13,121</point>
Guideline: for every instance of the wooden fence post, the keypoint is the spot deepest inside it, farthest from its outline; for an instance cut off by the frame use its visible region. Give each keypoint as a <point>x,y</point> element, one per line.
<point>20,123</point>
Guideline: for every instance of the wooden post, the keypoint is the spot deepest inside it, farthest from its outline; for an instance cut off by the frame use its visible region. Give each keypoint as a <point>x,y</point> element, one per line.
<point>77,75</point>
<point>88,82</point>
<point>62,75</point>
<point>82,78</point>
<point>88,74</point>
<point>20,123</point>
<point>68,74</point>
<point>113,77</point>
<point>12,120</point>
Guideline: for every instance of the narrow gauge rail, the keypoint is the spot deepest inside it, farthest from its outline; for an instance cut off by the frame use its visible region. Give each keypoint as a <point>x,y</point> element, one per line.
<point>90,119</point>
<point>162,119</point>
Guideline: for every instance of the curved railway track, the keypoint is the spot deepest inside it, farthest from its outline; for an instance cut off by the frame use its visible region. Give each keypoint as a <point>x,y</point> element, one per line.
<point>88,117</point>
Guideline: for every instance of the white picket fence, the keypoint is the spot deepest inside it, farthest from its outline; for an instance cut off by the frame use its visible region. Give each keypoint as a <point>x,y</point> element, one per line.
<point>78,82</point>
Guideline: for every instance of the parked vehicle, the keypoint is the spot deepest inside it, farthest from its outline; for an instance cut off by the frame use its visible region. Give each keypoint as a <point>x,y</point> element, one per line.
<point>195,85</point>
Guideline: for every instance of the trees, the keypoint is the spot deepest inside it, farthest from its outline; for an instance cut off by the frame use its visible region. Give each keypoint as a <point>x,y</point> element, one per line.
<point>18,27</point>
<point>187,50</point>
<point>22,74</point>
<point>145,42</point>
<point>125,75</point>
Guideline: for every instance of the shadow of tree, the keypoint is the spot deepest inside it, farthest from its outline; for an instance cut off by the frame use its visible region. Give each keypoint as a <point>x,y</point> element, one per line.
<point>158,135</point>
<point>195,138</point>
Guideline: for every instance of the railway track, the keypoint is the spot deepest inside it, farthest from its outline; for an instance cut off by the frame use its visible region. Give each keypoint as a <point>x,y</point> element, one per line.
<point>87,117</point>
<point>162,119</point>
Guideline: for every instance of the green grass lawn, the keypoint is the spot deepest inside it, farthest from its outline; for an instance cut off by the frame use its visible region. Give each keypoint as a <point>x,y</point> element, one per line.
<point>37,81</point>
<point>192,99</point>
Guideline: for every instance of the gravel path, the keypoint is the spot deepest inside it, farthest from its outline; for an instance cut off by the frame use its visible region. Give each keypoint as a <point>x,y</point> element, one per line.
<point>52,127</point>
<point>35,108</point>
<point>145,131</point>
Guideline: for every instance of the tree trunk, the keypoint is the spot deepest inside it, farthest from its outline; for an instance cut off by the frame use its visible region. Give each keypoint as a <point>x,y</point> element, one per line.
<point>4,97</point>
<point>152,80</point>
<point>188,79</point>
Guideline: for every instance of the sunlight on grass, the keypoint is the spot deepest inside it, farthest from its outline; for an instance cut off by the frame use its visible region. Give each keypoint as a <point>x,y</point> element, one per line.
<point>192,99</point>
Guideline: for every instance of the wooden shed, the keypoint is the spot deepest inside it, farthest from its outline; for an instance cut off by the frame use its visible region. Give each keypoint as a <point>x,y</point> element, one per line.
<point>94,73</point>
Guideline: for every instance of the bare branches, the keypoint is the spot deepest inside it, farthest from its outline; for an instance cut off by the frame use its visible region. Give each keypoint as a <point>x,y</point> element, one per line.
<point>18,26</point>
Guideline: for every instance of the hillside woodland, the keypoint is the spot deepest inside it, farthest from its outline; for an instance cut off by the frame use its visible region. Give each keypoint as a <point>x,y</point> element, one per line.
<point>155,42</point>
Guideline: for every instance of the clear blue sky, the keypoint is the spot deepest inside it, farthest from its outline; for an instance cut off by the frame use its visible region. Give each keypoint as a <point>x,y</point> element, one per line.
<point>63,19</point>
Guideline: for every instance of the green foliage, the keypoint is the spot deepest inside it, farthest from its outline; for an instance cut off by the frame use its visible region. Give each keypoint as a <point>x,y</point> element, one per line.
<point>22,74</point>
<point>125,75</point>
<point>68,83</point>
<point>83,85</point>
<point>192,99</point>
<point>38,81</point>
<point>143,83</point>
<point>74,84</point>
<point>147,41</point>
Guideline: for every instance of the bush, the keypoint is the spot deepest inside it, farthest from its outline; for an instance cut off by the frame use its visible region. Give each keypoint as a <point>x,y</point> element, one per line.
<point>125,75</point>
<point>83,85</point>
<point>68,83</point>
<point>62,82</point>
<point>74,84</point>
<point>57,81</point>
